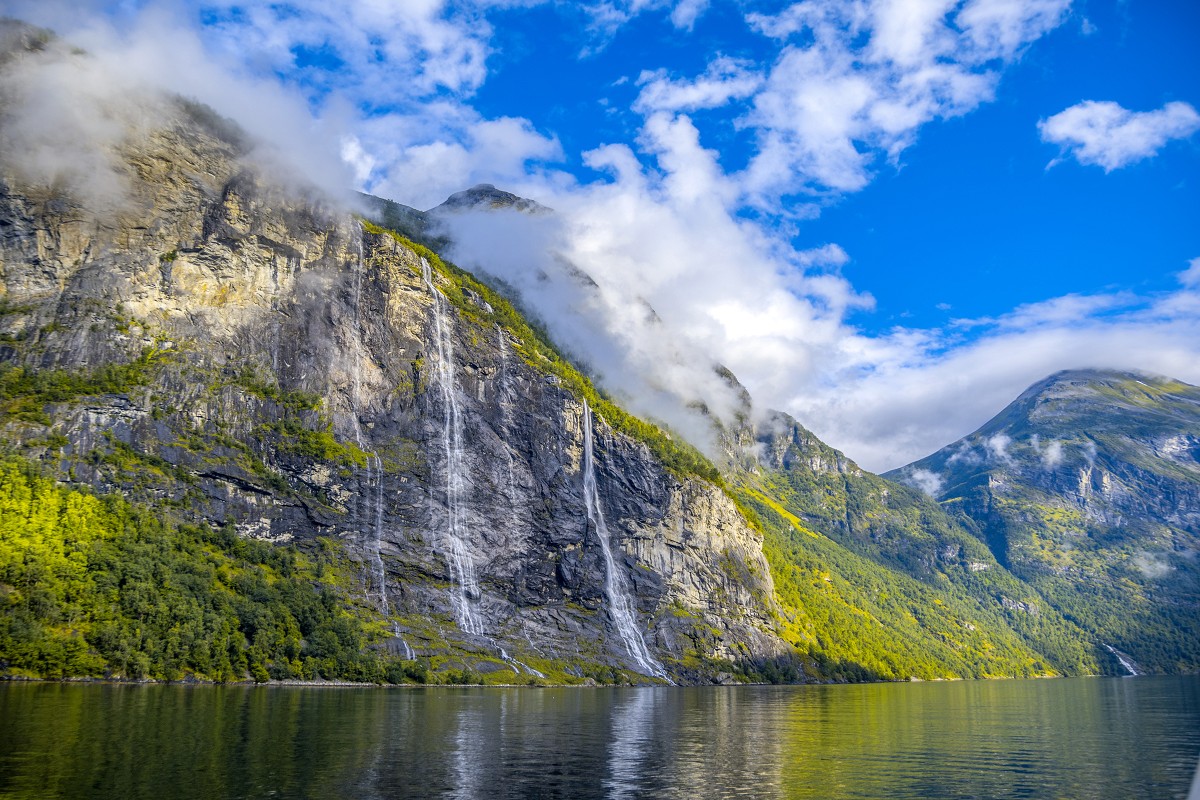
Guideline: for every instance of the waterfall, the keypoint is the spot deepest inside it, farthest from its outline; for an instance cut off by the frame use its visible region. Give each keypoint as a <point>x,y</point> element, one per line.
<point>462,569</point>
<point>517,665</point>
<point>1125,662</point>
<point>374,494</point>
<point>506,398</point>
<point>620,598</point>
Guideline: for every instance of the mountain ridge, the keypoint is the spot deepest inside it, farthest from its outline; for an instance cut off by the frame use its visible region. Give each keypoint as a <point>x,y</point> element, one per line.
<point>1088,484</point>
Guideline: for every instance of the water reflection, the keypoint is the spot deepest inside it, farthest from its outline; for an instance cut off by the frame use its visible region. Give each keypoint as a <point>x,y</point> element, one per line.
<point>631,739</point>
<point>1099,738</point>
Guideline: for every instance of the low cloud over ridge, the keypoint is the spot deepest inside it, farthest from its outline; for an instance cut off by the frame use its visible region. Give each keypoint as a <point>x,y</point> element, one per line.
<point>663,222</point>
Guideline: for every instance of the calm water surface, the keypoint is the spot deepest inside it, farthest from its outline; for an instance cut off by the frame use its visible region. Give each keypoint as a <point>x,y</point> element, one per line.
<point>1054,739</point>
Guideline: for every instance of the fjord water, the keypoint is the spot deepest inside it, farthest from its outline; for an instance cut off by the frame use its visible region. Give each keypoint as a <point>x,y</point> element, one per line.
<point>1080,738</point>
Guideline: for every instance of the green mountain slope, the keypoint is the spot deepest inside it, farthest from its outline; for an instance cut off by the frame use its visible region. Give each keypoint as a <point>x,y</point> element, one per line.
<point>1088,487</point>
<point>874,573</point>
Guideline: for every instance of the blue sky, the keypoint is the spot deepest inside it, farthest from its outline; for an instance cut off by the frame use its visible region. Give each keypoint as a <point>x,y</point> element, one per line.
<point>886,216</point>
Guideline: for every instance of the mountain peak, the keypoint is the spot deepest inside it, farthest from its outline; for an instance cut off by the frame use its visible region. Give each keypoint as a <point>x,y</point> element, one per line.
<point>485,196</point>
<point>1089,482</point>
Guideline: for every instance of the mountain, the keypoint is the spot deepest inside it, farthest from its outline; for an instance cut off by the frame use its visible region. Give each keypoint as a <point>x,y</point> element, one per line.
<point>874,573</point>
<point>1088,487</point>
<point>235,353</point>
<point>248,433</point>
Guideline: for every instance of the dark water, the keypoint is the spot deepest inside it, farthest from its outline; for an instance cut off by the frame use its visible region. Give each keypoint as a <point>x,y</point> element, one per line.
<point>1054,739</point>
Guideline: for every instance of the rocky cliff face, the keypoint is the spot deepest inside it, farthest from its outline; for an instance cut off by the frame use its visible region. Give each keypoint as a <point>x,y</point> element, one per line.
<point>247,354</point>
<point>1088,486</point>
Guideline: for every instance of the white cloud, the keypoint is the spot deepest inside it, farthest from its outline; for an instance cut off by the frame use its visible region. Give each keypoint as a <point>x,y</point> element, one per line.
<point>375,94</point>
<point>898,405</point>
<point>607,16</point>
<point>1000,28</point>
<point>64,117</point>
<point>1190,277</point>
<point>686,12</point>
<point>1109,136</point>
<point>720,291</point>
<point>855,81</point>
<point>997,447</point>
<point>928,482</point>
<point>1055,311</point>
<point>1153,565</point>
<point>1052,455</point>
<point>724,80</point>
<point>423,157</point>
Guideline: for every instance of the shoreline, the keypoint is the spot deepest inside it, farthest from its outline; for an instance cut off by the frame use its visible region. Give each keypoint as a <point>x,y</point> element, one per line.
<point>323,684</point>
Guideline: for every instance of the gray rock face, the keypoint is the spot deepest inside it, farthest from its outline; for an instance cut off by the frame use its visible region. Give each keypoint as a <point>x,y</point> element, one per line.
<point>290,387</point>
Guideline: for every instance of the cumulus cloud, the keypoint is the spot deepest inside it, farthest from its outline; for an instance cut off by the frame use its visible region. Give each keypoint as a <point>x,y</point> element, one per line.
<point>424,156</point>
<point>855,81</point>
<point>1190,277</point>
<point>1109,136</point>
<point>683,271</point>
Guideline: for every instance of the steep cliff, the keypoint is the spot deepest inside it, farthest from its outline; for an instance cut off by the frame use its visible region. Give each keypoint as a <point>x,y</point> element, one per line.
<point>1088,487</point>
<point>243,353</point>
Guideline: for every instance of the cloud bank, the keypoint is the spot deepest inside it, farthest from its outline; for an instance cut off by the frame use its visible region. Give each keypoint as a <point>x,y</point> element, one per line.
<point>690,256</point>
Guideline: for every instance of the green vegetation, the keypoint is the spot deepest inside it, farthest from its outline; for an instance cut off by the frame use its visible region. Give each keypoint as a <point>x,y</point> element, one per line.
<point>854,619</point>
<point>1106,582</point>
<point>267,388</point>
<point>24,393</point>
<point>92,585</point>
<point>535,348</point>
<point>299,440</point>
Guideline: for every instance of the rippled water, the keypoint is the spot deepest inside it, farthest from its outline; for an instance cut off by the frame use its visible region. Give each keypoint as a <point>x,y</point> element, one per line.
<point>1084,738</point>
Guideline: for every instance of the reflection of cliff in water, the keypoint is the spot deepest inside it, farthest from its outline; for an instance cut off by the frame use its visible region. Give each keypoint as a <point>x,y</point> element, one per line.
<point>1089,739</point>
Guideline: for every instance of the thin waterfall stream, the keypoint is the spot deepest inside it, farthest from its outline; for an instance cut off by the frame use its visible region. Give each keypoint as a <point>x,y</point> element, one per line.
<point>462,568</point>
<point>1125,663</point>
<point>616,588</point>
<point>374,494</point>
<point>506,393</point>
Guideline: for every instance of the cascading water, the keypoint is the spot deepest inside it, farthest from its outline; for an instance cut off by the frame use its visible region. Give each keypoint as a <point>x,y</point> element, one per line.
<point>462,568</point>
<point>1126,663</point>
<point>374,494</point>
<point>620,599</point>
<point>506,400</point>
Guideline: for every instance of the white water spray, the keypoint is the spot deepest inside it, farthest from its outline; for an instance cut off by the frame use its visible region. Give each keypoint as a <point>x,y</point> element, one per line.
<point>462,568</point>
<point>1126,663</point>
<point>374,494</point>
<point>620,598</point>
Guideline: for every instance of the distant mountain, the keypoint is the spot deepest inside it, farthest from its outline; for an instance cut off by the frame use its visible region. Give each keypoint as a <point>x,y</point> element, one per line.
<point>423,226</point>
<point>1088,487</point>
<point>877,574</point>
